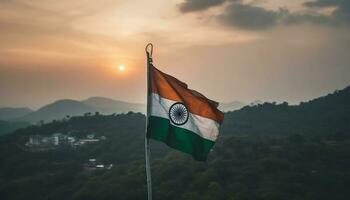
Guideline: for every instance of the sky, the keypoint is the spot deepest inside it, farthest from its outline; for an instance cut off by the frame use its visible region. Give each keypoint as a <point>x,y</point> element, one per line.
<point>244,50</point>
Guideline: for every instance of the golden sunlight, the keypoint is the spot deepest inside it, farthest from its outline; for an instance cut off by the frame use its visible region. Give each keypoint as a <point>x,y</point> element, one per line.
<point>121,68</point>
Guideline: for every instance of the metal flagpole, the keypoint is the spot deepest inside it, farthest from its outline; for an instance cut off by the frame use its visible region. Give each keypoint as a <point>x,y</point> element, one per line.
<point>147,149</point>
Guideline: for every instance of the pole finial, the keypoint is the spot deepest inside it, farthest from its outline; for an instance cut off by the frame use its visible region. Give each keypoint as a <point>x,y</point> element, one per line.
<point>149,53</point>
<point>149,46</point>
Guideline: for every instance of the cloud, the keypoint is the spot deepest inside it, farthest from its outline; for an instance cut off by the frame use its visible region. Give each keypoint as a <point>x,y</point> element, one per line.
<point>322,3</point>
<point>251,17</point>
<point>248,16</point>
<point>288,18</point>
<point>198,5</point>
<point>341,14</point>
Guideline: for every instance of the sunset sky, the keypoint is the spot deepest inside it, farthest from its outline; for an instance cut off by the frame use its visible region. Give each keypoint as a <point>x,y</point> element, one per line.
<point>246,50</point>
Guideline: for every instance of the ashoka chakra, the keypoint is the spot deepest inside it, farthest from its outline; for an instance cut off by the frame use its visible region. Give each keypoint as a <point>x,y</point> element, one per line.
<point>178,113</point>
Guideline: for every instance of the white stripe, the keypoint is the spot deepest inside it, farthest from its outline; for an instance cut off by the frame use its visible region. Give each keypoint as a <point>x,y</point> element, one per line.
<point>202,126</point>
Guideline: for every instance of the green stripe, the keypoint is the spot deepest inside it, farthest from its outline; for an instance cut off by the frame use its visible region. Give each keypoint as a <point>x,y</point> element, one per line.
<point>178,138</point>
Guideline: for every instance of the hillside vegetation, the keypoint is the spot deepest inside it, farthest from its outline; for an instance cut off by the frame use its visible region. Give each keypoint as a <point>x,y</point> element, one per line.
<point>324,115</point>
<point>265,152</point>
<point>8,127</point>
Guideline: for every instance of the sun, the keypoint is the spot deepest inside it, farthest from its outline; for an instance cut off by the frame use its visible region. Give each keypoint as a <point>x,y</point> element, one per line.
<point>121,68</point>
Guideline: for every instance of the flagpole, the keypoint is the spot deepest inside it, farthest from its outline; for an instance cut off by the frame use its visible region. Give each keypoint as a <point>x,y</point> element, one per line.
<point>147,148</point>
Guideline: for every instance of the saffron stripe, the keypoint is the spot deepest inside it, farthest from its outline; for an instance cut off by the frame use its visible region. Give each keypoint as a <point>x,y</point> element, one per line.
<point>171,88</point>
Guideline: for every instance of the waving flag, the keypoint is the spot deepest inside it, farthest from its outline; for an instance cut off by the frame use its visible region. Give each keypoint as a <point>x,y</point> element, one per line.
<point>180,117</point>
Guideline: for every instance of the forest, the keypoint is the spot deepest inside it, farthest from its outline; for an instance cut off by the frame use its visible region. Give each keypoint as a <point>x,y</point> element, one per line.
<point>268,151</point>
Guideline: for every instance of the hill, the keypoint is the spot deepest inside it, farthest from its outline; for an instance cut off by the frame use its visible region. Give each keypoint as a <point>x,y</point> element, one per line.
<point>12,113</point>
<point>66,108</point>
<point>110,106</point>
<point>8,127</point>
<point>239,167</point>
<point>231,106</point>
<point>266,151</point>
<point>57,110</point>
<point>328,114</point>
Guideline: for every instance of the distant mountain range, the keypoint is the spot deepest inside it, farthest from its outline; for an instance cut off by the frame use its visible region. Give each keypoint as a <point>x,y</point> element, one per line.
<point>110,106</point>
<point>68,107</point>
<point>327,112</point>
<point>13,113</point>
<point>231,106</point>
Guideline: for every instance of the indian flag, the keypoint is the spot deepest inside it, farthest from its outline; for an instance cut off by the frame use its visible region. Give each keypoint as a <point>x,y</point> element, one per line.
<point>180,117</point>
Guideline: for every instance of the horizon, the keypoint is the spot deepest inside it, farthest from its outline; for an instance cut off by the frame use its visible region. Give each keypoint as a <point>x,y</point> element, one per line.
<point>144,103</point>
<point>239,50</point>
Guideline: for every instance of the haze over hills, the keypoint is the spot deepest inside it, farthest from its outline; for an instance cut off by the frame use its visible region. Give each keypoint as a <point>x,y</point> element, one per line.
<point>333,105</point>
<point>57,110</point>
<point>12,113</point>
<point>68,107</point>
<point>110,106</point>
<point>236,105</point>
<point>231,106</point>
